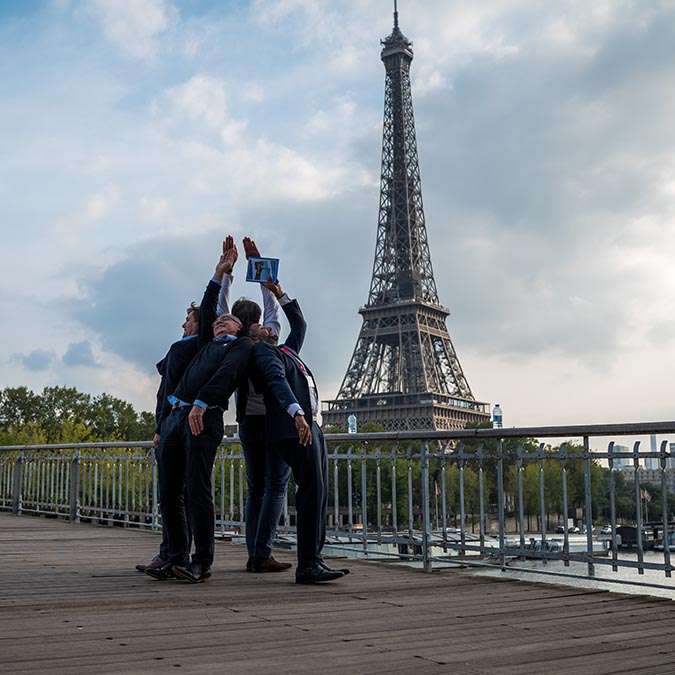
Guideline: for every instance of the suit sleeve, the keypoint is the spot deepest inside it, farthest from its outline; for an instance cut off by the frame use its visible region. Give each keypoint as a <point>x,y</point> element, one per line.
<point>207,313</point>
<point>271,367</point>
<point>298,325</point>
<point>161,394</point>
<point>225,380</point>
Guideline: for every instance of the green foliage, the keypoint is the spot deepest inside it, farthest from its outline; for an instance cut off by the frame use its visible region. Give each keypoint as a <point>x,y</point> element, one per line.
<point>65,415</point>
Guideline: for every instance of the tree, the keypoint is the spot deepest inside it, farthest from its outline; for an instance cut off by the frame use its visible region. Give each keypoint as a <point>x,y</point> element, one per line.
<point>65,415</point>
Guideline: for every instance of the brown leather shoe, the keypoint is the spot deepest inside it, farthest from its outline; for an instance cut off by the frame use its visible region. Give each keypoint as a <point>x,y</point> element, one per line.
<point>154,564</point>
<point>261,565</point>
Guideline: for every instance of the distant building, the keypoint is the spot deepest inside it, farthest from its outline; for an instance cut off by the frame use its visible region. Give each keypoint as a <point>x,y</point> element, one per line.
<point>670,461</point>
<point>652,462</point>
<point>621,462</point>
<point>651,476</point>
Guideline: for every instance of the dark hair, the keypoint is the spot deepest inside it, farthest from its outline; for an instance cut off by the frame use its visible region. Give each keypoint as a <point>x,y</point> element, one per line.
<point>193,309</point>
<point>247,312</point>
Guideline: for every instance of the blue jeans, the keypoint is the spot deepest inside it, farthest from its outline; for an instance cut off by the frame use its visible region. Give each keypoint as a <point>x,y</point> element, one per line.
<point>267,476</point>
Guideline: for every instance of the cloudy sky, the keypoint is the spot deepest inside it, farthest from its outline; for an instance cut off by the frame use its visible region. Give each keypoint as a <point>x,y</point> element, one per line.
<point>136,134</point>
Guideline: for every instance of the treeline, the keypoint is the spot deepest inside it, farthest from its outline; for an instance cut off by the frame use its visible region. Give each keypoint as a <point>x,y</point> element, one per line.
<point>66,415</point>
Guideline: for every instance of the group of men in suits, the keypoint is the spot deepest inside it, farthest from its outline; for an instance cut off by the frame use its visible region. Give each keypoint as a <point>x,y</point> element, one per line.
<point>224,351</point>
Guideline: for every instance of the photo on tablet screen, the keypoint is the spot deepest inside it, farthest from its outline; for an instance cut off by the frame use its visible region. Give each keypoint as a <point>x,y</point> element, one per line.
<point>261,269</point>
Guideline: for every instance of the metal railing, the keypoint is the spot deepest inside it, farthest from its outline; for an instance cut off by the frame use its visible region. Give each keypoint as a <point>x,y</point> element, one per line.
<point>434,498</point>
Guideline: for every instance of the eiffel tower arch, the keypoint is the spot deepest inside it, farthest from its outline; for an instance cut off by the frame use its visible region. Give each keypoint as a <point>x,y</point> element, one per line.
<point>404,373</point>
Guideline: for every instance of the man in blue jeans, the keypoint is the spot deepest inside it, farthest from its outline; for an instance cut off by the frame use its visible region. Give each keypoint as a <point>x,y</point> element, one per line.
<point>266,473</point>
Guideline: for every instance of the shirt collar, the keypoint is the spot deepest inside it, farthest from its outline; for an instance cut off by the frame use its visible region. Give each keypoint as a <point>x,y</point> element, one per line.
<point>225,338</point>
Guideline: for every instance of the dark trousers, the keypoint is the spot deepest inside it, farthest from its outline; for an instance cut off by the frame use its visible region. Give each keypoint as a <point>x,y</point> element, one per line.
<point>164,544</point>
<point>187,465</point>
<point>267,477</point>
<point>309,465</point>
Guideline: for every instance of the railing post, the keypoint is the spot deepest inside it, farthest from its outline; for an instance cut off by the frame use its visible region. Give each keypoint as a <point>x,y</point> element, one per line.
<point>16,484</point>
<point>75,487</point>
<point>500,500</point>
<point>426,534</point>
<point>155,495</point>
<point>588,506</point>
<point>664,509</point>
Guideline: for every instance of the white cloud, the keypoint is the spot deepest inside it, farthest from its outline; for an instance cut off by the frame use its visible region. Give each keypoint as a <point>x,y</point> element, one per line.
<point>134,26</point>
<point>546,147</point>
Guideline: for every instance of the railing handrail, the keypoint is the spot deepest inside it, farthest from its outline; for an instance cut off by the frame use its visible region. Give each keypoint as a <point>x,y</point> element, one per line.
<point>571,431</point>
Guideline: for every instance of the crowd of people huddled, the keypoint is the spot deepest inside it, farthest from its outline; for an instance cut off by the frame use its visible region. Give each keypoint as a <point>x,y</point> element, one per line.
<point>227,350</point>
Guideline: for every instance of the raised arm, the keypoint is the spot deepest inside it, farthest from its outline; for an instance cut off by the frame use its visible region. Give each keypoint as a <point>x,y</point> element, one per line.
<point>224,295</point>
<point>223,383</point>
<point>293,313</point>
<point>271,308</point>
<point>208,307</point>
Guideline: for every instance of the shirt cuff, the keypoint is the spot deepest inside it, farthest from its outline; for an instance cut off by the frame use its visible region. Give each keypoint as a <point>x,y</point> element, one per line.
<point>284,299</point>
<point>294,409</point>
<point>216,281</point>
<point>201,404</point>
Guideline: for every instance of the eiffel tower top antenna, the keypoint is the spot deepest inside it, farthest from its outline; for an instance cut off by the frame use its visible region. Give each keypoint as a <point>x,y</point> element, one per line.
<point>395,15</point>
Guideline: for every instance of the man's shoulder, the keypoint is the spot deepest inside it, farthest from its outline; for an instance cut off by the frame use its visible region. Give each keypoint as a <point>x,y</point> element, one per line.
<point>241,344</point>
<point>261,349</point>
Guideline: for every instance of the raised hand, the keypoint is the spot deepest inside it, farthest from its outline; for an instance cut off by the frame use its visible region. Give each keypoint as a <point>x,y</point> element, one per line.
<point>275,287</point>
<point>227,260</point>
<point>250,248</point>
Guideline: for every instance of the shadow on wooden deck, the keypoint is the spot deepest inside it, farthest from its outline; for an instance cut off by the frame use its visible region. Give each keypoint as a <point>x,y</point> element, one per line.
<point>71,602</point>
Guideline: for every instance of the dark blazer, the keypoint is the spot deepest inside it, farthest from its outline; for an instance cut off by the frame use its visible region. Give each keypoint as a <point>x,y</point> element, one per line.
<point>218,367</point>
<point>281,379</point>
<point>171,368</point>
<point>295,340</point>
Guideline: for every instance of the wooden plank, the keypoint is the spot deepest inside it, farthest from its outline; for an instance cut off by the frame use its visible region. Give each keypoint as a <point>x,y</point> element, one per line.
<point>71,602</point>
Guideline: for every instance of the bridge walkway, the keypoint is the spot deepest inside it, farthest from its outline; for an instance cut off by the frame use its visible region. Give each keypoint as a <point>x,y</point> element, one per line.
<point>71,602</point>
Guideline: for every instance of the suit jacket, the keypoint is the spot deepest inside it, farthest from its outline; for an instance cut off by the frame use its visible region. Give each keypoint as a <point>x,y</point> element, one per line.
<point>218,367</point>
<point>294,341</point>
<point>282,381</point>
<point>171,368</point>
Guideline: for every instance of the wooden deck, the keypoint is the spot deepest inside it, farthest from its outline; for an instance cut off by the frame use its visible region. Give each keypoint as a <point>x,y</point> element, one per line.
<point>71,602</point>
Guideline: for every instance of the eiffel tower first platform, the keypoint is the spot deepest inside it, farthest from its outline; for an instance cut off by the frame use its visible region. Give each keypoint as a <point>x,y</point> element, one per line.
<point>404,373</point>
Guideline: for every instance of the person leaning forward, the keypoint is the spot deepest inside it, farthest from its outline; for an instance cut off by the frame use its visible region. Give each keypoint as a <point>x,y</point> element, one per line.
<point>171,368</point>
<point>192,433</point>
<point>291,403</point>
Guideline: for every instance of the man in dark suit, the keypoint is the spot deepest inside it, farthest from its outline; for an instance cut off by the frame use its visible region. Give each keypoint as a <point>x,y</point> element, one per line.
<point>193,431</point>
<point>171,369</point>
<point>291,401</point>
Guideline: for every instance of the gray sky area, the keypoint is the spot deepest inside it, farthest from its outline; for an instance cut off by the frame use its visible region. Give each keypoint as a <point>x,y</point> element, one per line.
<point>136,134</point>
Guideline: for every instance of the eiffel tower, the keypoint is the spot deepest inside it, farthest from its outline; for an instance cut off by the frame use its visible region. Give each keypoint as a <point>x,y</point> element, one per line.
<point>404,373</point>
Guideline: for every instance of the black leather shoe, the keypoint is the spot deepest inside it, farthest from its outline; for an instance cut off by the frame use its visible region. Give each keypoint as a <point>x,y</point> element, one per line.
<point>163,573</point>
<point>194,572</point>
<point>344,570</point>
<point>249,565</point>
<point>260,565</point>
<point>154,564</point>
<point>317,575</point>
